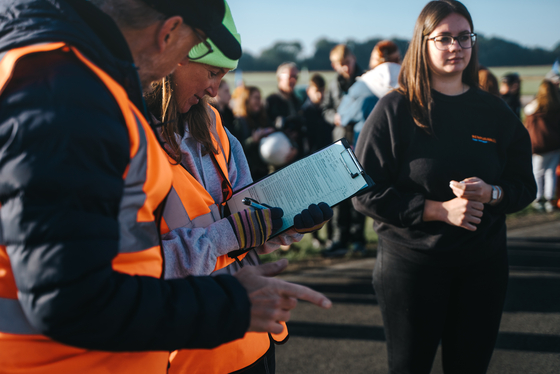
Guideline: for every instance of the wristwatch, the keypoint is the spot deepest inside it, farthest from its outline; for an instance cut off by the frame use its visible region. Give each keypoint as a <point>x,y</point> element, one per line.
<point>494,194</point>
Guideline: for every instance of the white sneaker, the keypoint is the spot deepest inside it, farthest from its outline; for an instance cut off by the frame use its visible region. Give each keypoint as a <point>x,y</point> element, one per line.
<point>538,206</point>
<point>548,207</point>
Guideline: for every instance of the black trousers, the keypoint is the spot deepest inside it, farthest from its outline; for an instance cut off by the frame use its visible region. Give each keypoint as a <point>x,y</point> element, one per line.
<point>423,305</point>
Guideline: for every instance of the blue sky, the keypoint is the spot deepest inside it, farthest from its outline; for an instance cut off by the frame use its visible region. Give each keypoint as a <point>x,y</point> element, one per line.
<point>531,23</point>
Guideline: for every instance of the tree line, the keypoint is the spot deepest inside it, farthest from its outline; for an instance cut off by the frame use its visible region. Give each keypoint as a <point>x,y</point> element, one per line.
<point>491,52</point>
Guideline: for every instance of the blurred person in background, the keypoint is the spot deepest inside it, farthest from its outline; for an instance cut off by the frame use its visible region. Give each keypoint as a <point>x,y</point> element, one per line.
<point>344,63</point>
<point>449,161</point>
<point>510,89</point>
<point>544,128</point>
<point>318,128</point>
<point>284,103</point>
<point>384,51</point>
<point>382,77</point>
<point>251,125</point>
<point>199,237</point>
<point>554,76</point>
<point>319,132</point>
<point>353,110</point>
<point>488,81</point>
<point>222,103</point>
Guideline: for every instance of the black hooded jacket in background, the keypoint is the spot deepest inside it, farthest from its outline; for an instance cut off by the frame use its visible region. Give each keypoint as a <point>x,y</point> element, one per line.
<point>63,150</point>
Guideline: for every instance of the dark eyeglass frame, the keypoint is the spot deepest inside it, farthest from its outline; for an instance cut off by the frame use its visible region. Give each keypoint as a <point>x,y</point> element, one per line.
<point>453,40</point>
<point>206,44</point>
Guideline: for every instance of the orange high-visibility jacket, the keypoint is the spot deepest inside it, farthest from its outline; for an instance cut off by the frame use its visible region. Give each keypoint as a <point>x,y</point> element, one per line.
<point>23,349</point>
<point>190,205</point>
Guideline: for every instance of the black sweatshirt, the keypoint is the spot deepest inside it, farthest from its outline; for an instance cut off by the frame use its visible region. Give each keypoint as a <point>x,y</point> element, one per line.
<point>475,134</point>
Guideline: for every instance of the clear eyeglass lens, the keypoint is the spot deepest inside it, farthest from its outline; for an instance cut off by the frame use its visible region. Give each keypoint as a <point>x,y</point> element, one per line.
<point>465,41</point>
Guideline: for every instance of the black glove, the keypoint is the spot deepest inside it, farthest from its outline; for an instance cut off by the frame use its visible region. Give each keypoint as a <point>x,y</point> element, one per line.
<point>312,218</point>
<point>253,227</point>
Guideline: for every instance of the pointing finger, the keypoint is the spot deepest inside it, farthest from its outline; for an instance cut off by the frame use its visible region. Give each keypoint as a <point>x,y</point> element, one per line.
<point>304,293</point>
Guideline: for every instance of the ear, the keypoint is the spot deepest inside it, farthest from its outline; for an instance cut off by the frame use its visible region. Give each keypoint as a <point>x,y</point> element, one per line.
<point>168,32</point>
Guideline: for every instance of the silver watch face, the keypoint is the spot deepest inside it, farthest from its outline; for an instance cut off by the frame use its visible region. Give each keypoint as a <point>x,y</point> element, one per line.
<point>494,193</point>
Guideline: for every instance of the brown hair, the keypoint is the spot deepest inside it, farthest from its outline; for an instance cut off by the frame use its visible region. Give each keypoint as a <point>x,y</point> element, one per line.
<point>318,81</point>
<point>386,51</point>
<point>548,97</point>
<point>340,52</point>
<point>414,78</point>
<point>241,108</point>
<point>163,105</point>
<point>488,81</point>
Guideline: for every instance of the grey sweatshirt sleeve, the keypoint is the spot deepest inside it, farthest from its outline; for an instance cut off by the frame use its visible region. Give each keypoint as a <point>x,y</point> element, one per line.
<point>193,251</point>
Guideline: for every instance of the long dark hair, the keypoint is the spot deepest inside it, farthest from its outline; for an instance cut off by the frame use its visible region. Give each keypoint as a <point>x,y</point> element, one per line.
<point>162,104</point>
<point>414,78</point>
<point>548,97</point>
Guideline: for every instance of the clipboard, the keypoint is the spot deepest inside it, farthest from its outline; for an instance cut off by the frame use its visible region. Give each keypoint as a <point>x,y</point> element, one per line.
<point>332,174</point>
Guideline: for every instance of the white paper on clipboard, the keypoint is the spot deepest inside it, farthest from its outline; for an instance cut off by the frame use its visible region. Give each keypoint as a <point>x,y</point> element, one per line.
<point>331,175</point>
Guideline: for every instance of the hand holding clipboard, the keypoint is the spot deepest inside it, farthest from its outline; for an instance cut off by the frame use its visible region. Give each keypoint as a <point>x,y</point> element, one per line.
<point>330,175</point>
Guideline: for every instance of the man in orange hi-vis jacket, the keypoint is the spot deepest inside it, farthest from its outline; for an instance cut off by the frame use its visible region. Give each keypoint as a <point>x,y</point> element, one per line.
<point>82,182</point>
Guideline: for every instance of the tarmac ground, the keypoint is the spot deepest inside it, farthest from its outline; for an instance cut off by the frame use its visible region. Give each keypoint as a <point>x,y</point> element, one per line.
<point>349,337</point>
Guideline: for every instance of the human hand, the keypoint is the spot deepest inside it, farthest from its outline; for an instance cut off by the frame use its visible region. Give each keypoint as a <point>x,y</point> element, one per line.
<point>313,218</point>
<point>286,238</point>
<point>253,227</point>
<point>462,213</point>
<point>473,189</point>
<point>273,299</point>
<point>337,119</point>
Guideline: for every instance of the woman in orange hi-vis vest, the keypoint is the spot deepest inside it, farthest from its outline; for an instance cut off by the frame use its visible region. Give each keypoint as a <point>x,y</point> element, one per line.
<point>208,164</point>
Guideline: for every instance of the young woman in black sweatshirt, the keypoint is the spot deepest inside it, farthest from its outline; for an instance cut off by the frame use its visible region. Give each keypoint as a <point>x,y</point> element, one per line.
<point>449,161</point>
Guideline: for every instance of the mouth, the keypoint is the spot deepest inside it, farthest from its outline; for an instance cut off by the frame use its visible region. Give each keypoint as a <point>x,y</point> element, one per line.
<point>195,99</point>
<point>455,60</point>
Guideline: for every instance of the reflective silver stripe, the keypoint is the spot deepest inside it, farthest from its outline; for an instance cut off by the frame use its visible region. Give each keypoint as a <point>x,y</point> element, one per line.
<point>12,318</point>
<point>174,213</point>
<point>251,259</point>
<point>204,220</point>
<point>136,236</point>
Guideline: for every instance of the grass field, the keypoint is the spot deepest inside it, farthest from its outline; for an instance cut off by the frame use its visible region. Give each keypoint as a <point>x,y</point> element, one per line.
<point>531,77</point>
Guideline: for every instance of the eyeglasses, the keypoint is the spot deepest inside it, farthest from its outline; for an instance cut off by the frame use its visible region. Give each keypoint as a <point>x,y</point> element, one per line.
<point>200,50</point>
<point>443,42</point>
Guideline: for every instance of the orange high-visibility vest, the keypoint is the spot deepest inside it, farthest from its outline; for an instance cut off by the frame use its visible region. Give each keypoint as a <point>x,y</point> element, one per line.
<point>22,348</point>
<point>190,205</point>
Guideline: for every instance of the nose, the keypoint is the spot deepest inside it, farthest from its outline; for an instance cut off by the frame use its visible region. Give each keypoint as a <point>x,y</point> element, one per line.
<point>454,45</point>
<point>212,90</point>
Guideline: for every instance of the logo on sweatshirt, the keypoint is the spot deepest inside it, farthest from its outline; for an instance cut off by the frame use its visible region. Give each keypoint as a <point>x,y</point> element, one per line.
<point>482,139</point>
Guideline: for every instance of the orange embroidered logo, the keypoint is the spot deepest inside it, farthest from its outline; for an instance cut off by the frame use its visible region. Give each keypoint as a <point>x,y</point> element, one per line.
<point>482,139</point>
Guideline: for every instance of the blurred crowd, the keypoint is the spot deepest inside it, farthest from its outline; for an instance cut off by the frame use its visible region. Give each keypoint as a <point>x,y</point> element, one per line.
<point>294,122</point>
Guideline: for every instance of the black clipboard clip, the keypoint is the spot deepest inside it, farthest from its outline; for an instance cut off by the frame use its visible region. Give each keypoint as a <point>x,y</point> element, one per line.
<point>354,161</point>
